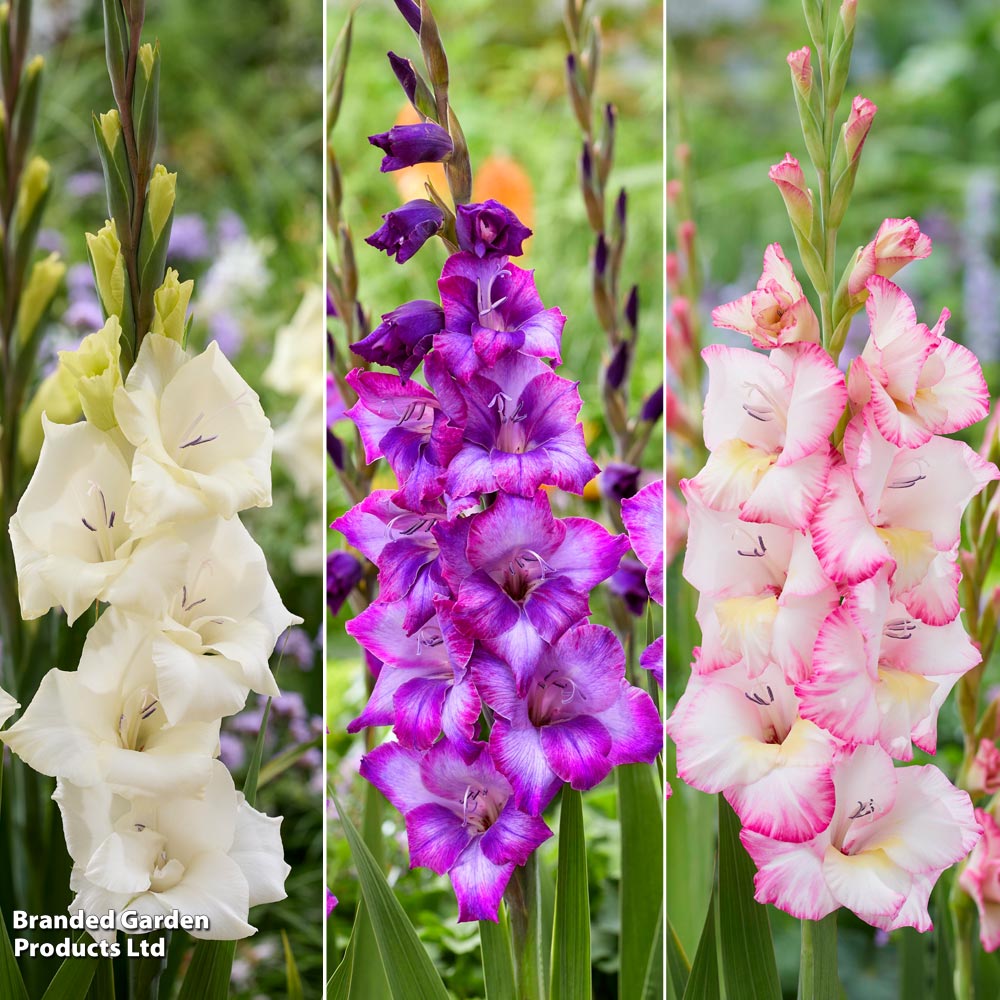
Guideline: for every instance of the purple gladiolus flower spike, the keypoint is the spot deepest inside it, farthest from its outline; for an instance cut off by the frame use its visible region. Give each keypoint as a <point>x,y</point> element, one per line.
<point>407,145</point>
<point>490,228</point>
<point>460,819</point>
<point>520,432</point>
<point>405,230</point>
<point>577,720</point>
<point>403,337</point>
<point>522,577</point>
<point>643,518</point>
<point>403,422</point>
<point>400,542</point>
<point>424,687</point>
<point>492,308</point>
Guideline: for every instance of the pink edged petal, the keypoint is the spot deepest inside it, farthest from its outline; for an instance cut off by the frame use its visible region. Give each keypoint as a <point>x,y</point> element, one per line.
<point>799,324</point>
<point>731,473</point>
<point>731,401</point>
<point>736,315</point>
<point>417,708</point>
<point>978,878</point>
<point>870,884</point>
<point>791,803</point>
<point>714,655</point>
<point>934,599</point>
<point>926,649</point>
<point>515,836</point>
<point>870,458</point>
<point>790,876</point>
<point>651,659</point>
<point>518,754</point>
<point>777,268</point>
<point>903,361</point>
<point>865,780</point>
<point>724,552</point>
<point>839,696</point>
<point>931,825</point>
<point>642,516</point>
<point>789,494</point>
<point>817,401</point>
<point>903,429</point>
<point>795,628</point>
<point>846,543</point>
<point>744,626</point>
<point>890,311</point>
<point>961,393</point>
<point>577,750</point>
<point>436,837</point>
<point>913,912</point>
<point>805,575</point>
<point>905,702</point>
<point>479,884</point>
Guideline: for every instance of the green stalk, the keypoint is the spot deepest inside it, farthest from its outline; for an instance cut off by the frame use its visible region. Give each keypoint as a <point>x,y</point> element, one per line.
<point>524,906</point>
<point>818,960</point>
<point>963,924</point>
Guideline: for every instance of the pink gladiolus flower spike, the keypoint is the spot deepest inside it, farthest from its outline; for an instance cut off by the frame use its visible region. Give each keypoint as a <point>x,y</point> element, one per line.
<point>777,312</point>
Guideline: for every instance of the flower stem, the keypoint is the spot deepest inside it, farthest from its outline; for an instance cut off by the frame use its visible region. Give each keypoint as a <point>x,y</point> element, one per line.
<point>963,925</point>
<point>524,905</point>
<point>818,959</point>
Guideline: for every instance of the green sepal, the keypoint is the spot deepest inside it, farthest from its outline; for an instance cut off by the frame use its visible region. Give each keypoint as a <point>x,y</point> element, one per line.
<point>117,178</point>
<point>27,232</point>
<point>457,167</point>
<point>152,267</point>
<point>22,26</point>
<point>434,55</point>
<point>127,319</point>
<point>22,126</point>
<point>145,111</point>
<point>337,71</point>
<point>5,54</point>
<point>116,44</point>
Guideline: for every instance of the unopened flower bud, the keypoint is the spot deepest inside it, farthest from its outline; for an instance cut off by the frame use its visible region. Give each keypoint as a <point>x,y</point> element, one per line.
<point>34,186</point>
<point>614,374</point>
<point>848,15</point>
<point>170,305</point>
<point>983,777</point>
<point>791,182</point>
<point>674,189</point>
<point>799,62</point>
<point>411,12</point>
<point>38,293</point>
<point>857,126</point>
<point>111,128</point>
<point>109,268</point>
<point>632,308</point>
<point>652,408</point>
<point>897,242</point>
<point>94,367</point>
<point>408,145</point>
<point>146,59</point>
<point>162,192</point>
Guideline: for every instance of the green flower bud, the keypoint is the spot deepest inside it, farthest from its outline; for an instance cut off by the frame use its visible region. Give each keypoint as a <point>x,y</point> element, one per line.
<point>111,129</point>
<point>109,268</point>
<point>34,186</point>
<point>38,294</point>
<point>160,200</point>
<point>170,304</point>
<point>58,399</point>
<point>96,372</point>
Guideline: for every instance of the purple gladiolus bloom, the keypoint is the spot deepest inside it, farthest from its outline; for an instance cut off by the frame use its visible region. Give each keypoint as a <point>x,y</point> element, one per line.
<point>403,423</point>
<point>490,228</point>
<point>424,687</point>
<point>343,574</point>
<point>643,518</point>
<point>629,584</point>
<point>410,11</point>
<point>404,336</point>
<point>406,75</point>
<point>407,145</point>
<point>651,659</point>
<point>400,542</point>
<point>405,230</point>
<point>522,577</point>
<point>492,308</point>
<point>331,902</point>
<point>460,819</point>
<point>619,480</point>
<point>577,720</point>
<point>520,432</point>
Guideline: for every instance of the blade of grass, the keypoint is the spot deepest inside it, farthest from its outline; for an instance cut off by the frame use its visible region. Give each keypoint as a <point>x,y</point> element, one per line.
<point>704,979</point>
<point>571,931</point>
<point>678,964</point>
<point>498,960</point>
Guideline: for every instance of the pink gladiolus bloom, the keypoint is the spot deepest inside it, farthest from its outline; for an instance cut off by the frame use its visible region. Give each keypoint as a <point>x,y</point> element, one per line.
<point>777,312</point>
<point>894,830</point>
<point>983,777</point>
<point>745,738</point>
<point>917,381</point>
<point>902,506</point>
<point>799,62</point>
<point>879,675</point>
<point>767,421</point>
<point>857,126</point>
<point>981,880</point>
<point>677,526</point>
<point>897,242</point>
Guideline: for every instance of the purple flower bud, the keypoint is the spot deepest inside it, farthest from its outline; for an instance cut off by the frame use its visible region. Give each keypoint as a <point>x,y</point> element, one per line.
<point>618,365</point>
<point>331,902</point>
<point>407,229</point>
<point>411,11</point>
<point>621,206</point>
<point>406,75</point>
<point>619,480</point>
<point>629,583</point>
<point>601,256</point>
<point>404,336</point>
<point>331,308</point>
<point>586,164</point>
<point>652,409</point>
<point>609,116</point>
<point>632,307</point>
<point>335,449</point>
<point>490,228</point>
<point>406,145</point>
<point>343,574</point>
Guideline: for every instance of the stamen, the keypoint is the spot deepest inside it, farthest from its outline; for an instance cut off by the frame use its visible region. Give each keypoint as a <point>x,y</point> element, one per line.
<point>863,809</point>
<point>759,551</point>
<point>761,413</point>
<point>759,699</point>
<point>199,440</point>
<point>88,525</point>
<point>899,628</point>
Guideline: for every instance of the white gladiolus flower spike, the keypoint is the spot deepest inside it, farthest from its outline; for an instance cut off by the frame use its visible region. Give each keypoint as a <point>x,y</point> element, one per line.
<point>203,443</point>
<point>214,856</point>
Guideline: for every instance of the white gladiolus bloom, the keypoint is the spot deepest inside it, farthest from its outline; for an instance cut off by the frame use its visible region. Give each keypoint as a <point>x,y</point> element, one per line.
<point>117,737</point>
<point>299,442</point>
<point>299,357</point>
<point>215,856</point>
<point>203,443</point>
<point>8,706</point>
<point>210,643</point>
<point>72,544</point>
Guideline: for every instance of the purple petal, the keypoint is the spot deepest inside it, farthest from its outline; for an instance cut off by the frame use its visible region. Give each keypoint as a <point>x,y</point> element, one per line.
<point>554,605</point>
<point>418,704</point>
<point>577,750</point>
<point>515,836</point>
<point>652,660</point>
<point>518,753</point>
<point>460,717</point>
<point>436,837</point>
<point>513,524</point>
<point>588,553</point>
<point>479,884</point>
<point>483,610</point>
<point>396,772</point>
<point>635,726</point>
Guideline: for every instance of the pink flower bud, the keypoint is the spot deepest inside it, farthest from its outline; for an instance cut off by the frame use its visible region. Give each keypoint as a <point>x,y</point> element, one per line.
<point>674,189</point>
<point>857,126</point>
<point>680,310</point>
<point>673,266</point>
<point>677,417</point>
<point>981,880</point>
<point>685,233</point>
<point>797,197</point>
<point>897,242</point>
<point>801,67</point>
<point>984,771</point>
<point>848,15</point>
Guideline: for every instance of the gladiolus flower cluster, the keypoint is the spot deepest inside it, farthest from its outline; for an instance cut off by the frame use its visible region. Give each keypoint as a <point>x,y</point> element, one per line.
<point>823,542</point>
<point>498,689</point>
<point>136,517</point>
